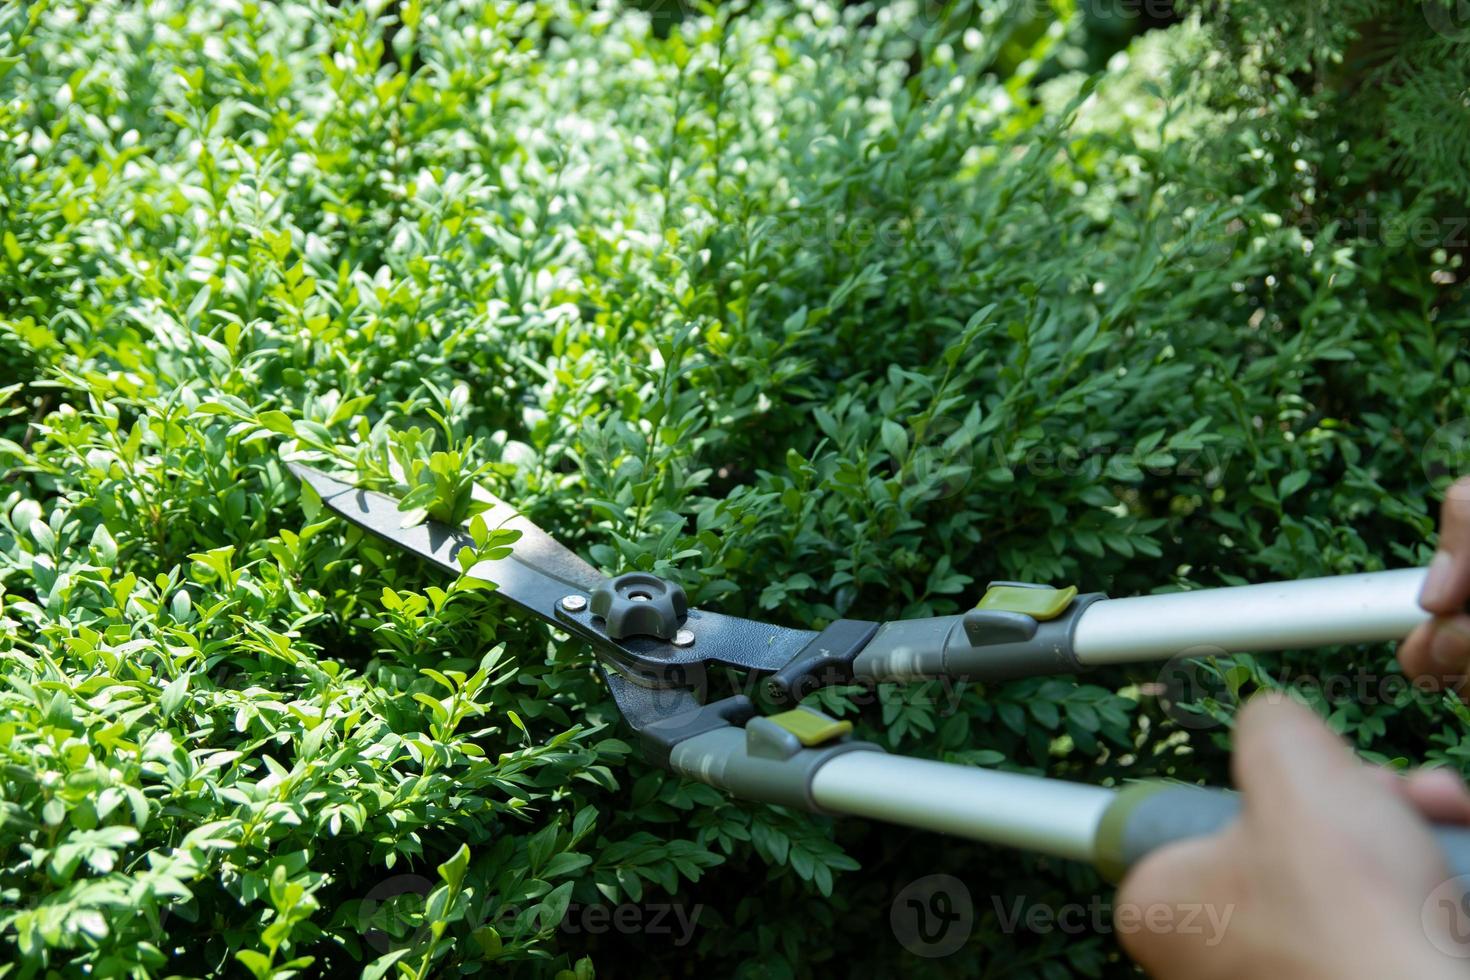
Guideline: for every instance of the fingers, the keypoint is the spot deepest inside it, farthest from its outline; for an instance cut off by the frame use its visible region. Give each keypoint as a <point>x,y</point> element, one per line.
<point>1187,874</point>
<point>1177,872</point>
<point>1447,586</point>
<point>1439,650</point>
<point>1449,647</point>
<point>1414,655</point>
<point>1438,794</point>
<point>1284,754</point>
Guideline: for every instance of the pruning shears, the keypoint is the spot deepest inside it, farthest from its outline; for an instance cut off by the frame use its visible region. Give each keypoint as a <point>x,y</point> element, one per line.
<point>657,653</point>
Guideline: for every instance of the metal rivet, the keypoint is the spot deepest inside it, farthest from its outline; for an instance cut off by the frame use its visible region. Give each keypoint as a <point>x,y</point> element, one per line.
<point>574,603</point>
<point>684,638</point>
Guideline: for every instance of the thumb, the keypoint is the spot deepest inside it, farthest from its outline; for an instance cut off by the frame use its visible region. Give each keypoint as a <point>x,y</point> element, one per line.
<point>1308,801</point>
<point>1287,758</point>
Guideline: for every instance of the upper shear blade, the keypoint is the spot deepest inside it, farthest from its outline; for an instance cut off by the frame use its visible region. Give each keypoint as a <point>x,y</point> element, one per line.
<point>536,551</point>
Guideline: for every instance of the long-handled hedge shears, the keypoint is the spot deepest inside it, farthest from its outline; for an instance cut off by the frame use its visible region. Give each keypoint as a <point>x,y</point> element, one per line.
<point>656,653</point>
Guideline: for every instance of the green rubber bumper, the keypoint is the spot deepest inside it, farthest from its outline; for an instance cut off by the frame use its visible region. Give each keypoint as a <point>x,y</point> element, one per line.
<point>1149,815</point>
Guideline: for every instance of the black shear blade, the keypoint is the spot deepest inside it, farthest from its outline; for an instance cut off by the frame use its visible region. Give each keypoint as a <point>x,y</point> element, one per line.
<point>539,573</point>
<point>536,575</point>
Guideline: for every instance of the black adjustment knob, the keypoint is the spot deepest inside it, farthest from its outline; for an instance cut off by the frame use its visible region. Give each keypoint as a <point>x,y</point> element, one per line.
<point>639,604</point>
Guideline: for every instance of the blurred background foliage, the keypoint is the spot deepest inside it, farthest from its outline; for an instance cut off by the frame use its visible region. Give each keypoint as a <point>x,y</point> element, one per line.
<point>822,310</point>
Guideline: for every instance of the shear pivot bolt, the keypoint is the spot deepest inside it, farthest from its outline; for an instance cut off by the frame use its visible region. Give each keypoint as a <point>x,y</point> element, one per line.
<point>574,603</point>
<point>639,604</point>
<point>684,638</point>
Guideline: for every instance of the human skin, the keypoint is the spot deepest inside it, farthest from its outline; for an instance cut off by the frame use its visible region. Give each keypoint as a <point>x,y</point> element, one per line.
<point>1440,648</point>
<point>1331,870</point>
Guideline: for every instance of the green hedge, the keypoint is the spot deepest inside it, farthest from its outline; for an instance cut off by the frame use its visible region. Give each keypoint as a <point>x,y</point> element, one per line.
<point>822,311</point>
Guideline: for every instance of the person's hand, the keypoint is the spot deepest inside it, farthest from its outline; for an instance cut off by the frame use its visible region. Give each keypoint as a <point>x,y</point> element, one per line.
<point>1326,873</point>
<point>1440,648</point>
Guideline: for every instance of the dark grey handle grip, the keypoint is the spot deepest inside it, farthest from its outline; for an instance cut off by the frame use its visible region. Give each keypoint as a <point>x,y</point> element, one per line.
<point>1146,816</point>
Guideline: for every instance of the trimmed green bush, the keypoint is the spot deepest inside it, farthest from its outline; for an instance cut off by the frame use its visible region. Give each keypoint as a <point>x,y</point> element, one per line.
<point>822,311</point>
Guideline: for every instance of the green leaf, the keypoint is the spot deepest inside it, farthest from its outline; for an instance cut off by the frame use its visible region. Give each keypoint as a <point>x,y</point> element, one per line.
<point>1292,482</point>
<point>895,439</point>
<point>104,546</point>
<point>257,963</point>
<point>277,421</point>
<point>379,967</point>
<point>452,871</point>
<point>173,695</point>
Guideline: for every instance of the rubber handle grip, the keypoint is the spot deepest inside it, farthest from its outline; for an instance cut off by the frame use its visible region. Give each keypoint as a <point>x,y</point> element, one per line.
<point>1146,816</point>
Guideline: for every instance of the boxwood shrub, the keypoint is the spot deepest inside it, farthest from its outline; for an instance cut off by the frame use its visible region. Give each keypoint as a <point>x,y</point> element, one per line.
<point>820,310</point>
